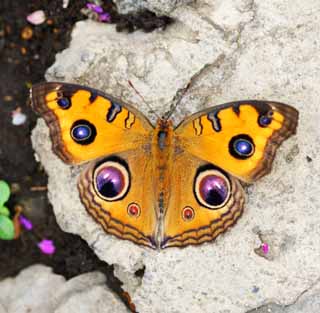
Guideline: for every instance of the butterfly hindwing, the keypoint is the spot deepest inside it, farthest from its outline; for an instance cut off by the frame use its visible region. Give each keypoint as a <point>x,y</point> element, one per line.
<point>240,137</point>
<point>204,202</point>
<point>126,209</point>
<point>86,124</point>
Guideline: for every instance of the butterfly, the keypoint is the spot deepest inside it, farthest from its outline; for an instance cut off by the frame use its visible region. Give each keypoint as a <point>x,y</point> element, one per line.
<point>162,186</point>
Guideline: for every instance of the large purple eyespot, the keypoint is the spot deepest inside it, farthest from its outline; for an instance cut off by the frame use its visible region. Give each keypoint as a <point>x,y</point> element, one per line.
<point>83,132</point>
<point>212,188</point>
<point>241,147</point>
<point>111,180</point>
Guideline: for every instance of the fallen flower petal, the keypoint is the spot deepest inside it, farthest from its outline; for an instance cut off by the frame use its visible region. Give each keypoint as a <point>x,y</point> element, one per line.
<point>105,17</point>
<point>37,17</point>
<point>265,248</point>
<point>47,246</point>
<point>65,3</point>
<point>18,118</point>
<point>94,7</point>
<point>27,224</point>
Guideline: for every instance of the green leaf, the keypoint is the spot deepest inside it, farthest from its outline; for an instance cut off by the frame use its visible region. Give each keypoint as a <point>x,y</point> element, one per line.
<point>4,211</point>
<point>6,228</point>
<point>4,192</point>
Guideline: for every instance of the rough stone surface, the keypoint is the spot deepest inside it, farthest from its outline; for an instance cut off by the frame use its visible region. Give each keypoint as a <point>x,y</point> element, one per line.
<point>157,6</point>
<point>38,290</point>
<point>230,50</point>
<point>307,302</point>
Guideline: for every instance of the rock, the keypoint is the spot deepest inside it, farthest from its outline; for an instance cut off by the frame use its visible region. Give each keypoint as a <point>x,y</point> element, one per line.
<point>157,6</point>
<point>37,290</point>
<point>2,309</point>
<point>308,301</point>
<point>229,50</point>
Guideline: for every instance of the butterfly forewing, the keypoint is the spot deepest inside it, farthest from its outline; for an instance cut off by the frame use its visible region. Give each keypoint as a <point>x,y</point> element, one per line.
<point>86,124</point>
<point>240,137</point>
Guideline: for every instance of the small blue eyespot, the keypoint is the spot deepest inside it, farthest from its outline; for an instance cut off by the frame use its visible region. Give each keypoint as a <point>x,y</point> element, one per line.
<point>64,103</point>
<point>81,132</point>
<point>264,120</point>
<point>243,147</point>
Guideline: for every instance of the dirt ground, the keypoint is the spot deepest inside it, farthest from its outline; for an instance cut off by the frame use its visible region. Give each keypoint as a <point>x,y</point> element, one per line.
<point>26,51</point>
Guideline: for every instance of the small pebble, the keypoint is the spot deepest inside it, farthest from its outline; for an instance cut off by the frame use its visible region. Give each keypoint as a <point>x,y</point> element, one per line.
<point>7,98</point>
<point>65,3</point>
<point>26,33</point>
<point>23,50</point>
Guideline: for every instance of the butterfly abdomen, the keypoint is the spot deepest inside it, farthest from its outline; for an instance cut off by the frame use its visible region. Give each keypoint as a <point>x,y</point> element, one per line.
<point>162,150</point>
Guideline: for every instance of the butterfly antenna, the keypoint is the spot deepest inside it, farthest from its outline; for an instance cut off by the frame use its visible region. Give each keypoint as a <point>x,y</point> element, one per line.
<point>144,101</point>
<point>176,100</point>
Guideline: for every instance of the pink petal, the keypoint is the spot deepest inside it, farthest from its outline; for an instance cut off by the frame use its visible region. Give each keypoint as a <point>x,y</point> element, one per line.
<point>37,17</point>
<point>47,246</point>
<point>265,248</point>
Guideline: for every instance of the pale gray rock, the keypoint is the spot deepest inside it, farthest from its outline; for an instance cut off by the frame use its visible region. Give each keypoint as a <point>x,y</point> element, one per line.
<point>38,290</point>
<point>2,309</point>
<point>157,6</point>
<point>307,302</point>
<point>230,50</point>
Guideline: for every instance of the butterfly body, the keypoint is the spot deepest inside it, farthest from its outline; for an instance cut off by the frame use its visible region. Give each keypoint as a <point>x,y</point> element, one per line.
<point>162,186</point>
<point>162,156</point>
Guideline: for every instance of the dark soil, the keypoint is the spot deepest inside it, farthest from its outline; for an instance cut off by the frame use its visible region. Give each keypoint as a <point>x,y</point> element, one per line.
<point>23,62</point>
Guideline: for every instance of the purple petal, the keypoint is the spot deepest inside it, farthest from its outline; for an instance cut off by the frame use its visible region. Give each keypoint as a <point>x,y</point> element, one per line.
<point>47,246</point>
<point>25,222</point>
<point>105,17</point>
<point>94,7</point>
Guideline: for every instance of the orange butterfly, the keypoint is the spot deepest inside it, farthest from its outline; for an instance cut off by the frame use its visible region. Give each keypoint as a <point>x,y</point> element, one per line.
<point>162,186</point>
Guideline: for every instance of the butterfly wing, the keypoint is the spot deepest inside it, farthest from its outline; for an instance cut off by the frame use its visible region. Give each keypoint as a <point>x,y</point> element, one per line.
<point>193,216</point>
<point>240,137</point>
<point>116,189</point>
<point>86,124</point>
<point>211,147</point>
<point>125,208</point>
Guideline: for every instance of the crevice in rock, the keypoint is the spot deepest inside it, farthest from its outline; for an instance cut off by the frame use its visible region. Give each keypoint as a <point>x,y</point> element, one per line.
<point>129,283</point>
<point>304,292</point>
<point>192,81</point>
<point>251,7</point>
<point>140,272</point>
<point>271,306</point>
<point>145,20</point>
